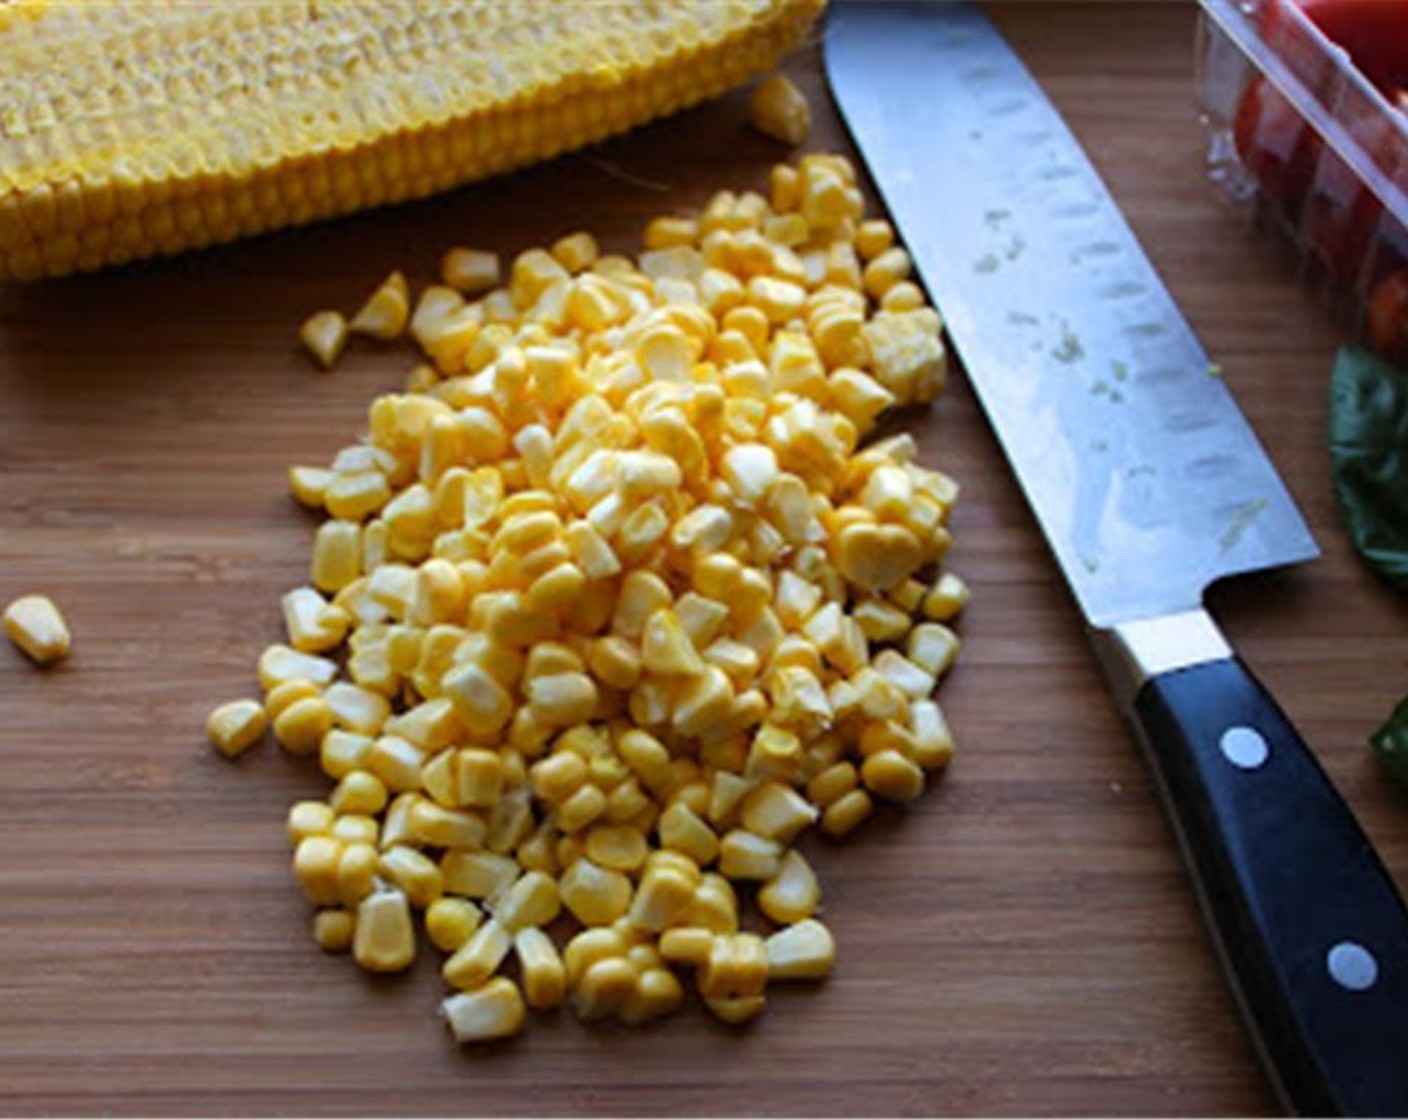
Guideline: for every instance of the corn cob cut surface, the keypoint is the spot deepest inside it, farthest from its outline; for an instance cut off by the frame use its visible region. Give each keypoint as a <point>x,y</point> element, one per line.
<point>131,130</point>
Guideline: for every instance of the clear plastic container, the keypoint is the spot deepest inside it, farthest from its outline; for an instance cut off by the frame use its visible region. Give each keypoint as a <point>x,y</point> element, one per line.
<point>1302,137</point>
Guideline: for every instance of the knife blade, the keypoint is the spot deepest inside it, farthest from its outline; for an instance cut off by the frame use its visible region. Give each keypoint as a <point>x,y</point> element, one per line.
<point>1149,485</point>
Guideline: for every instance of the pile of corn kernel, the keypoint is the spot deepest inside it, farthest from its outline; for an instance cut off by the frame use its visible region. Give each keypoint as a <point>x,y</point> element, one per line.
<point>626,609</point>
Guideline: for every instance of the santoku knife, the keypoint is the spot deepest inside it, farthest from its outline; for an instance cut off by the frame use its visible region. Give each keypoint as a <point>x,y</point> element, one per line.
<point>1149,485</point>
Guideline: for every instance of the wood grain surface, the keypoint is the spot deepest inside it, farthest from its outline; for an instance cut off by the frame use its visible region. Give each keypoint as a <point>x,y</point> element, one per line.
<point>1024,941</point>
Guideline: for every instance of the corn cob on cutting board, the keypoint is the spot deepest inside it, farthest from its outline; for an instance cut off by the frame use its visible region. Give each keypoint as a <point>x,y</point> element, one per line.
<point>260,116</point>
<point>1023,942</point>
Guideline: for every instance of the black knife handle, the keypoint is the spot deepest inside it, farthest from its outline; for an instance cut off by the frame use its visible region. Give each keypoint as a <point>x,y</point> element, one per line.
<point>1313,935</point>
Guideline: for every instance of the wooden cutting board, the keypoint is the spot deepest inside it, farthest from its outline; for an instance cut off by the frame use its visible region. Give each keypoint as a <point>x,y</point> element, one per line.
<point>1024,941</point>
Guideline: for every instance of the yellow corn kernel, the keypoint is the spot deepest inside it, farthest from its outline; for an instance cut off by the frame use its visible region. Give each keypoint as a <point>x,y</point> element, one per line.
<point>581,809</point>
<point>832,783</point>
<point>476,961</point>
<point>885,271</point>
<point>591,551</point>
<point>315,862</point>
<point>34,624</point>
<point>359,792</point>
<point>663,233</point>
<point>324,334</point>
<point>308,485</point>
<point>881,621</point>
<point>337,555</point>
<point>532,901</point>
<point>793,893</point>
<point>479,875</point>
<point>387,310</point>
<point>713,907</point>
<point>846,812</point>
<point>735,1010</point>
<point>874,237</point>
<point>889,774</point>
<point>665,647</point>
<point>776,812</point>
<point>384,940</point>
<point>414,873</point>
<point>590,946</point>
<point>776,752</point>
<point>309,818</point>
<point>745,855</point>
<point>396,763</point>
<point>616,847</point>
<point>451,922</point>
<point>947,598</point>
<point>236,726</point>
<point>438,827</point>
<point>576,251</point>
<point>483,705</point>
<point>687,945</point>
<point>562,698</point>
<point>487,1013</point>
<point>662,896</point>
<point>658,993</point>
<point>684,831</point>
<point>356,872</point>
<point>559,776</point>
<point>594,895</point>
<point>932,746</point>
<point>470,270</point>
<point>333,930</point>
<point>357,710</point>
<point>300,727</point>
<point>543,974</point>
<point>784,188</point>
<point>356,828</point>
<point>803,951</point>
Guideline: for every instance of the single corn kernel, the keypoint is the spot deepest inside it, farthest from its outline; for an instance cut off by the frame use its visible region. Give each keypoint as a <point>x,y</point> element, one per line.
<point>735,1010</point>
<point>777,812</point>
<point>793,893</point>
<point>470,270</point>
<point>333,930</point>
<point>873,237</point>
<point>309,818</point>
<point>604,988</point>
<point>682,830</point>
<point>324,333</point>
<point>745,855</point>
<point>543,973</point>
<point>300,727</point>
<point>493,1011</point>
<point>473,874</point>
<point>236,726</point>
<point>889,774</point>
<point>385,939</point>
<point>414,873</point>
<point>450,922</point>
<point>387,310</point>
<point>478,958</point>
<point>832,783</point>
<point>845,813</point>
<point>359,792</point>
<point>804,951</point>
<point>532,901</point>
<point>34,624</point>
<point>616,847</point>
<point>688,945</point>
<point>594,895</point>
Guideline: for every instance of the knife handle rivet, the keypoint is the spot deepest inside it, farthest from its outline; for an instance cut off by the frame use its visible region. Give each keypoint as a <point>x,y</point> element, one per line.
<point>1352,966</point>
<point>1244,747</point>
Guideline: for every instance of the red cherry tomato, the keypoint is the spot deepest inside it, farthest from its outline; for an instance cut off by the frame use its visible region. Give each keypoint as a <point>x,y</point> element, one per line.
<point>1276,145</point>
<point>1388,318</point>
<point>1374,32</point>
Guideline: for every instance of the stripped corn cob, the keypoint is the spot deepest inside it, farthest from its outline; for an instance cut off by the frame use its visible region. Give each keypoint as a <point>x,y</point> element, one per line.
<point>132,130</point>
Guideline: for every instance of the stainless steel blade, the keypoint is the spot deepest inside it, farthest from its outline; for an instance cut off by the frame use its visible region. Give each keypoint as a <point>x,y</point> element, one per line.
<point>1145,477</point>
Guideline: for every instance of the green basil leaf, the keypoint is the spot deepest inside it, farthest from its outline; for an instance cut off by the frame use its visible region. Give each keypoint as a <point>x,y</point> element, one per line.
<point>1369,458</point>
<point>1390,744</point>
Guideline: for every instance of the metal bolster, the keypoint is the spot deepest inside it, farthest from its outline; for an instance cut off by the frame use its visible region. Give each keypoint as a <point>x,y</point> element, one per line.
<point>1132,653</point>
